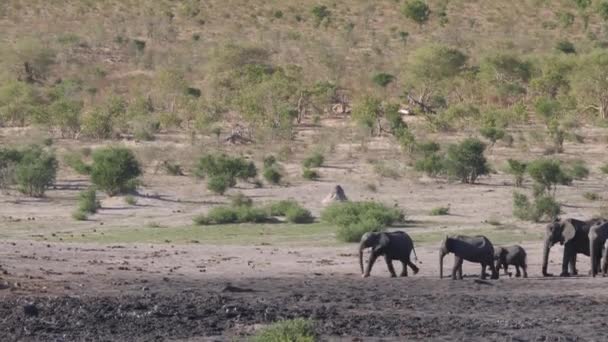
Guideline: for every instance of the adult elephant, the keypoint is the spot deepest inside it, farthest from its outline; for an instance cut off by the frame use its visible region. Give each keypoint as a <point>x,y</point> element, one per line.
<point>393,245</point>
<point>477,249</point>
<point>598,234</point>
<point>573,234</point>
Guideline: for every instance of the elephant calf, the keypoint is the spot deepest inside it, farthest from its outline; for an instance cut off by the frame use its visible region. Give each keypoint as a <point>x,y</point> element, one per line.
<point>511,255</point>
<point>471,248</point>
<point>393,245</point>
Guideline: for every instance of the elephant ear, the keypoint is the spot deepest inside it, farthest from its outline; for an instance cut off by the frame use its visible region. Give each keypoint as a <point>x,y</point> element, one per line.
<point>383,241</point>
<point>569,231</point>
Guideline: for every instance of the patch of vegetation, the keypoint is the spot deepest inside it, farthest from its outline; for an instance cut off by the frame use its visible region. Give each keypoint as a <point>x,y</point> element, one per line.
<point>219,184</point>
<point>172,169</point>
<point>544,206</point>
<point>565,46</point>
<point>36,171</point>
<point>383,79</point>
<point>440,211</point>
<point>321,14</point>
<point>492,133</point>
<point>548,173</point>
<point>518,170</point>
<point>280,208</point>
<point>88,202</point>
<point>299,215</point>
<point>466,161</point>
<point>240,199</point>
<point>131,200</point>
<point>222,171</point>
<point>79,215</point>
<point>272,175</point>
<point>578,170</point>
<point>74,161</point>
<point>417,10</point>
<point>604,169</point>
<point>356,218</point>
<point>315,160</point>
<point>115,170</point>
<point>310,174</point>
<point>592,196</point>
<point>295,330</point>
<point>384,170</point>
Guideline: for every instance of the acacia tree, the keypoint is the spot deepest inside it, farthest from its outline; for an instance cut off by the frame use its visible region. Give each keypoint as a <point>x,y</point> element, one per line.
<point>428,73</point>
<point>505,76</point>
<point>590,82</point>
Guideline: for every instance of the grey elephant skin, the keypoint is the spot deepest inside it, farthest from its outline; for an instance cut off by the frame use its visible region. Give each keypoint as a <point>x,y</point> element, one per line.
<point>477,249</point>
<point>511,255</point>
<point>605,259</point>
<point>393,246</point>
<point>598,234</point>
<point>573,234</point>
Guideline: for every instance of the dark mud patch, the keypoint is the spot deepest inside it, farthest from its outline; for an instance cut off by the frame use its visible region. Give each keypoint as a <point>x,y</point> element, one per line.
<point>403,309</point>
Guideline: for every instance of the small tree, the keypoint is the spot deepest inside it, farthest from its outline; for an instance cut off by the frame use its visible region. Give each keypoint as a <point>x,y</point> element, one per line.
<point>493,134</point>
<point>417,10</point>
<point>547,173</point>
<point>36,171</point>
<point>367,113</point>
<point>114,170</point>
<point>518,170</point>
<point>223,171</point>
<point>466,162</point>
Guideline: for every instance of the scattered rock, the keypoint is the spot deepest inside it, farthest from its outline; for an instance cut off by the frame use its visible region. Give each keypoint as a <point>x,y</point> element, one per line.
<point>30,310</point>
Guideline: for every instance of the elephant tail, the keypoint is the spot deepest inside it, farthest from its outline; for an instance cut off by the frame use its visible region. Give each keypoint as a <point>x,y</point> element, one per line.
<point>413,256</point>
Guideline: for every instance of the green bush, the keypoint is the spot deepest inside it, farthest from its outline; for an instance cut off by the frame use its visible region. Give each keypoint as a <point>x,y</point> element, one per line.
<point>201,220</point>
<point>222,215</point>
<point>272,175</point>
<point>240,200</point>
<point>280,208</point>
<point>299,215</point>
<point>592,196</point>
<point>270,161</point>
<point>492,133</point>
<point>565,46</point>
<point>383,79</point>
<point>9,158</point>
<point>578,170</point>
<point>465,161</point>
<point>432,165</point>
<point>320,13</point>
<point>518,170</point>
<point>88,202</point>
<point>310,174</point>
<point>79,215</point>
<point>603,10</point>
<point>249,214</point>
<point>547,173</point>
<point>115,170</point>
<point>546,206</point>
<point>295,330</point>
<point>522,208</point>
<point>36,171</point>
<point>417,10</point>
<point>440,211</point>
<point>74,161</point>
<point>315,160</point>
<point>131,200</point>
<point>355,218</point>
<point>220,183</point>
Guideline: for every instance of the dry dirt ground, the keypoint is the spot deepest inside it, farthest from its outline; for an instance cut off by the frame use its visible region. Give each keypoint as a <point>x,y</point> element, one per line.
<point>74,290</point>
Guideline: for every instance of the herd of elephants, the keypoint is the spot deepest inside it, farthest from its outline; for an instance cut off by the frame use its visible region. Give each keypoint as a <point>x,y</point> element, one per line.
<point>586,237</point>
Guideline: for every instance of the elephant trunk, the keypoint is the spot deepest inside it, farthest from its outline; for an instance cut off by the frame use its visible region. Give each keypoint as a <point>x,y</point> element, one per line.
<point>546,249</point>
<point>441,255</point>
<point>594,257</point>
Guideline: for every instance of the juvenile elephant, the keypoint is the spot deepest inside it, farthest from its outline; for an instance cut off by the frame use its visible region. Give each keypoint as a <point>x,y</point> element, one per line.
<point>394,246</point>
<point>471,248</point>
<point>574,235</point>
<point>511,255</point>
<point>598,234</point>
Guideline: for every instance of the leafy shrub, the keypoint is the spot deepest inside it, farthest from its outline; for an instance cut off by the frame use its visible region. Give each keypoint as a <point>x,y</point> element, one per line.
<point>172,169</point>
<point>518,170</point>
<point>465,161</point>
<point>220,183</point>
<point>245,214</point>
<point>383,79</point>
<point>79,215</point>
<point>36,171</point>
<point>315,160</point>
<point>310,174</point>
<point>272,175</point>
<point>417,10</point>
<point>546,206</point>
<point>547,173</point>
<point>492,133</point>
<point>74,161</point>
<point>295,330</point>
<point>88,202</point>
<point>603,10</point>
<point>432,165</point>
<point>115,170</point>
<point>299,215</point>
<point>565,46</point>
<point>270,161</point>
<point>240,200</point>
<point>9,158</point>
<point>131,200</point>
<point>356,218</point>
<point>281,208</point>
<point>320,13</point>
<point>592,196</point>
<point>222,215</point>
<point>440,211</point>
<point>578,170</point>
<point>201,220</point>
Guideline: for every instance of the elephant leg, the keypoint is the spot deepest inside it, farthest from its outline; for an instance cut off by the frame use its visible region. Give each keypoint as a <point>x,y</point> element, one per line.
<point>505,266</point>
<point>524,269</point>
<point>567,259</point>
<point>517,273</point>
<point>573,270</point>
<point>457,267</point>
<point>404,269</point>
<point>414,268</point>
<point>389,264</point>
<point>370,263</point>
<point>483,270</point>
